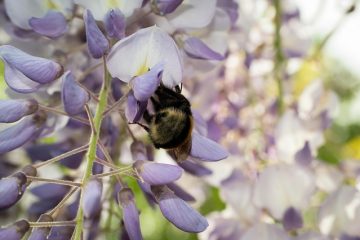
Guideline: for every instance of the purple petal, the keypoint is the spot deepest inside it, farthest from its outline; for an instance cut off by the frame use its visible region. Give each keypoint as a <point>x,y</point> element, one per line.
<point>97,43</point>
<point>163,7</point>
<point>304,156</point>
<point>37,69</point>
<point>130,214</point>
<point>146,189</point>
<point>348,237</point>
<point>14,110</point>
<point>145,85</point>
<point>15,231</point>
<point>61,233</point>
<point>73,96</point>
<point>197,49</point>
<point>18,134</point>
<point>11,189</point>
<point>138,151</point>
<point>206,150</point>
<point>180,192</point>
<point>200,123</point>
<point>292,219</point>
<point>18,82</point>
<point>195,168</point>
<point>134,109</point>
<point>39,207</point>
<point>92,198</point>
<point>52,25</point>
<point>40,233</point>
<point>157,173</point>
<point>115,24</point>
<point>50,191</point>
<point>178,212</point>
<point>231,8</point>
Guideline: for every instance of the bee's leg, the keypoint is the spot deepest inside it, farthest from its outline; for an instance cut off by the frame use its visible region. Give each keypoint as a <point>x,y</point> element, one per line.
<point>156,104</point>
<point>147,116</point>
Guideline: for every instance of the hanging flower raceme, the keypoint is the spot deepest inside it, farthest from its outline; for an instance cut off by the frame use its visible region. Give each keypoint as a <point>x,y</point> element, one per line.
<point>25,73</point>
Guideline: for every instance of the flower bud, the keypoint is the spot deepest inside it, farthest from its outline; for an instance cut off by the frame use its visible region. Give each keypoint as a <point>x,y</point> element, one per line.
<point>292,219</point>
<point>115,24</point>
<point>178,212</point>
<point>130,214</point>
<point>92,198</point>
<point>15,231</point>
<point>157,173</point>
<point>14,110</point>
<point>97,43</point>
<point>41,233</point>
<point>73,96</point>
<point>18,134</point>
<point>12,189</point>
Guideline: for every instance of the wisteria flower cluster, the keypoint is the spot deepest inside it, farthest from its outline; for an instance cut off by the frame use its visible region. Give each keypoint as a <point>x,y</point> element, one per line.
<point>171,119</point>
<point>86,97</point>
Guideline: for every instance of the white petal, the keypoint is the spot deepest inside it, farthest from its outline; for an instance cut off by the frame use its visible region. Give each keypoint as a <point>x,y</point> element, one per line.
<point>263,231</point>
<point>135,54</point>
<point>20,11</point>
<point>127,7</point>
<point>288,186</point>
<point>97,7</point>
<point>193,14</point>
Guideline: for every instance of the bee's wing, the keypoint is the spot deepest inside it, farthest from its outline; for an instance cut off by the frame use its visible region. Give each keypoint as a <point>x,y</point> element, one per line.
<point>182,152</point>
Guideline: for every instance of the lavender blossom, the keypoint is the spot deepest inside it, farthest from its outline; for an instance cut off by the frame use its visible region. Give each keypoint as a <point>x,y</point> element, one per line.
<point>115,24</point>
<point>15,231</point>
<point>12,189</point>
<point>130,214</point>
<point>97,43</point>
<point>92,198</point>
<point>52,25</point>
<point>74,97</point>
<point>157,173</point>
<point>163,7</point>
<point>178,212</point>
<point>14,110</point>
<point>25,73</point>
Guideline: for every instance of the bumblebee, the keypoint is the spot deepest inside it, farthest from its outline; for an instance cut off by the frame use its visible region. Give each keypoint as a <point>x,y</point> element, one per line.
<point>171,124</point>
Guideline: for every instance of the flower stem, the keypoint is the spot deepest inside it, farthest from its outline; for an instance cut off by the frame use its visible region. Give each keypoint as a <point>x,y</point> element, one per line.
<point>51,224</point>
<point>61,156</point>
<point>279,57</point>
<point>55,181</point>
<point>91,154</point>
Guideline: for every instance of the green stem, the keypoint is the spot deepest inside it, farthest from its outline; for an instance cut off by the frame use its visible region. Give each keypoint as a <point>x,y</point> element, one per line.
<point>91,154</point>
<point>279,57</point>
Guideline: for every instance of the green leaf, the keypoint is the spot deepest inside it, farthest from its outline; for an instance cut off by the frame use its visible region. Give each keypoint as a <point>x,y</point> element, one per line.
<point>3,85</point>
<point>213,202</point>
